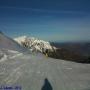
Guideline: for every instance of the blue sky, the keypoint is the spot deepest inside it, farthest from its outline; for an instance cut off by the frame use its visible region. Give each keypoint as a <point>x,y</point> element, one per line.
<point>51,20</point>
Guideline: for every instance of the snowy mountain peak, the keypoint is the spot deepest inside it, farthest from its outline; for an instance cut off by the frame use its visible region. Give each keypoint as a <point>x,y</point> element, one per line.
<point>20,39</point>
<point>34,44</point>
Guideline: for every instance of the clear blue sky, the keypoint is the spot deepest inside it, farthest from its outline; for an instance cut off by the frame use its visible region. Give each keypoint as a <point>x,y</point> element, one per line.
<point>51,20</point>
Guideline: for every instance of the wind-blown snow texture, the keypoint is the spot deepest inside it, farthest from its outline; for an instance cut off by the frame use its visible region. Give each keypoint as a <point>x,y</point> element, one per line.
<point>30,71</point>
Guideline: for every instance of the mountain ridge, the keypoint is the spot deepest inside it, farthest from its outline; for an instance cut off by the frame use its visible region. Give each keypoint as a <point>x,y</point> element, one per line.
<point>34,44</point>
<point>50,50</point>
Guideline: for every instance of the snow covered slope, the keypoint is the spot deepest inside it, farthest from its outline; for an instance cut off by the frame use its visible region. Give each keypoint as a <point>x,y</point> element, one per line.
<point>10,48</point>
<point>8,54</point>
<point>32,72</point>
<point>34,44</point>
<point>9,44</point>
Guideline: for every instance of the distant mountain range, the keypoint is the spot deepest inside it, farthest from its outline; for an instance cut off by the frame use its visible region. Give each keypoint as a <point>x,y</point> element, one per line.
<point>82,48</point>
<point>78,52</point>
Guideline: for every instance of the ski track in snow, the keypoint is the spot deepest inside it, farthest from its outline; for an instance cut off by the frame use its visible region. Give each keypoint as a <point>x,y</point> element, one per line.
<point>30,71</point>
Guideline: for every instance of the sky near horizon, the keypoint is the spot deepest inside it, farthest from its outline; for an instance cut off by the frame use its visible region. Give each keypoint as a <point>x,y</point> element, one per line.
<point>51,20</point>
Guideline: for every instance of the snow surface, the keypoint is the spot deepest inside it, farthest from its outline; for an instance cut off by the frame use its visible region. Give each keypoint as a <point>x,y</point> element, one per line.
<point>10,44</point>
<point>30,71</point>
